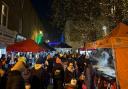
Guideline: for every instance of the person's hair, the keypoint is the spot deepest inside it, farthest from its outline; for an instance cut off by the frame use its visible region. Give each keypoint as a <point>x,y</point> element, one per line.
<point>21,54</point>
<point>69,63</point>
<point>3,56</point>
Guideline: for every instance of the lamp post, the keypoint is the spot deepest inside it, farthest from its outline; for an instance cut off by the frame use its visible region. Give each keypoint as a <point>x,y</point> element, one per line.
<point>40,32</point>
<point>104,30</point>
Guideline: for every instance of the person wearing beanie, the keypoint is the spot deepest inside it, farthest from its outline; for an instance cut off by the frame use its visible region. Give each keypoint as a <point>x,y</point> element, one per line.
<point>15,79</point>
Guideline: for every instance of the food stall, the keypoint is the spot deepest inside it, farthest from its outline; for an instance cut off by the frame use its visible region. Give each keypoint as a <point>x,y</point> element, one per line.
<point>117,40</point>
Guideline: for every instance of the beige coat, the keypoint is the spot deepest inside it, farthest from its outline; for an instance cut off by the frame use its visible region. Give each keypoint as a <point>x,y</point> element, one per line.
<point>20,66</point>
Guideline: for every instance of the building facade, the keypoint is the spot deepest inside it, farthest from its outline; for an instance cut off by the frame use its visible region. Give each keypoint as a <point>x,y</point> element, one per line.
<point>17,17</point>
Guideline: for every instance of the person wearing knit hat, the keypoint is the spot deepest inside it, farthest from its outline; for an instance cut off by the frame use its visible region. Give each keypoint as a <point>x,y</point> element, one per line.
<point>15,79</point>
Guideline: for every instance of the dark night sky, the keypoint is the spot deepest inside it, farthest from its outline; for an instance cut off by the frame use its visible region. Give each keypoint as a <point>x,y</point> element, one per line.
<point>43,8</point>
<point>44,11</point>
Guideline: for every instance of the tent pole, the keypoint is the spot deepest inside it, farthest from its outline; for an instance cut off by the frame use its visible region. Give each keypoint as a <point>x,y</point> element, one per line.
<point>115,63</point>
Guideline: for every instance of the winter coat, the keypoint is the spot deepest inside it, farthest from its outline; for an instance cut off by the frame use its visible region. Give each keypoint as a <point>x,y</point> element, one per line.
<point>69,75</point>
<point>15,80</point>
<point>58,76</point>
<point>38,78</point>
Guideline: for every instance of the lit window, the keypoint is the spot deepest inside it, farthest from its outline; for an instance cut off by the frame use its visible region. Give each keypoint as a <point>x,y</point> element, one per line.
<point>4,14</point>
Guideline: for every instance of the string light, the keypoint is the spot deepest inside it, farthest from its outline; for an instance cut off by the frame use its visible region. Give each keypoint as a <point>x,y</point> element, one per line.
<point>88,16</point>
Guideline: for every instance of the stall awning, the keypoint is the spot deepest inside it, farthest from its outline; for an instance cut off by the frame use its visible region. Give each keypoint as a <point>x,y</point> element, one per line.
<point>117,40</point>
<point>63,45</point>
<point>28,45</point>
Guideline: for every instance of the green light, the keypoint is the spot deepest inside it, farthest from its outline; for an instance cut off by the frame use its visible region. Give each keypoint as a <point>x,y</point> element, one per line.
<point>39,38</point>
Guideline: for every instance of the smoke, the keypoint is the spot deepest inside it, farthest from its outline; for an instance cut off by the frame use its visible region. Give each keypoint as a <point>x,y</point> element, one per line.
<point>103,60</point>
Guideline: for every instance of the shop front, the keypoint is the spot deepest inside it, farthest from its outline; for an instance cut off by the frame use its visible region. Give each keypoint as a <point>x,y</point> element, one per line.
<point>6,37</point>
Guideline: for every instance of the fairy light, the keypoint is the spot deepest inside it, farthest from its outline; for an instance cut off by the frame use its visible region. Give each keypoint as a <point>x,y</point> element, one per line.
<point>90,11</point>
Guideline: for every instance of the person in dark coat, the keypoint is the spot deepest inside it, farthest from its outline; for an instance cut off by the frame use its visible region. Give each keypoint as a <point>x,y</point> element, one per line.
<point>81,82</point>
<point>38,77</point>
<point>3,79</point>
<point>81,64</point>
<point>58,75</point>
<point>3,61</point>
<point>50,63</point>
<point>70,73</point>
<point>15,79</point>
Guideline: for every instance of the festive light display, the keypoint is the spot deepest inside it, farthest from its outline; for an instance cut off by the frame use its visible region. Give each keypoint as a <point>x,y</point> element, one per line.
<point>39,38</point>
<point>89,16</point>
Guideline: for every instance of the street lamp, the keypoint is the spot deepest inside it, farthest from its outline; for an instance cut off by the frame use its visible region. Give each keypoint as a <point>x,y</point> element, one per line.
<point>47,41</point>
<point>105,30</point>
<point>40,32</point>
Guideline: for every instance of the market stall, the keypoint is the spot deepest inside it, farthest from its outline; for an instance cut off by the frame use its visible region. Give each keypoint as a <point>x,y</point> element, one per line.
<point>47,47</point>
<point>118,41</point>
<point>28,48</point>
<point>25,46</point>
<point>63,47</point>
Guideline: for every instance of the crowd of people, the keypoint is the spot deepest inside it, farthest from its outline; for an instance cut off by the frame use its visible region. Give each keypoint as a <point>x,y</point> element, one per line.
<point>67,71</point>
